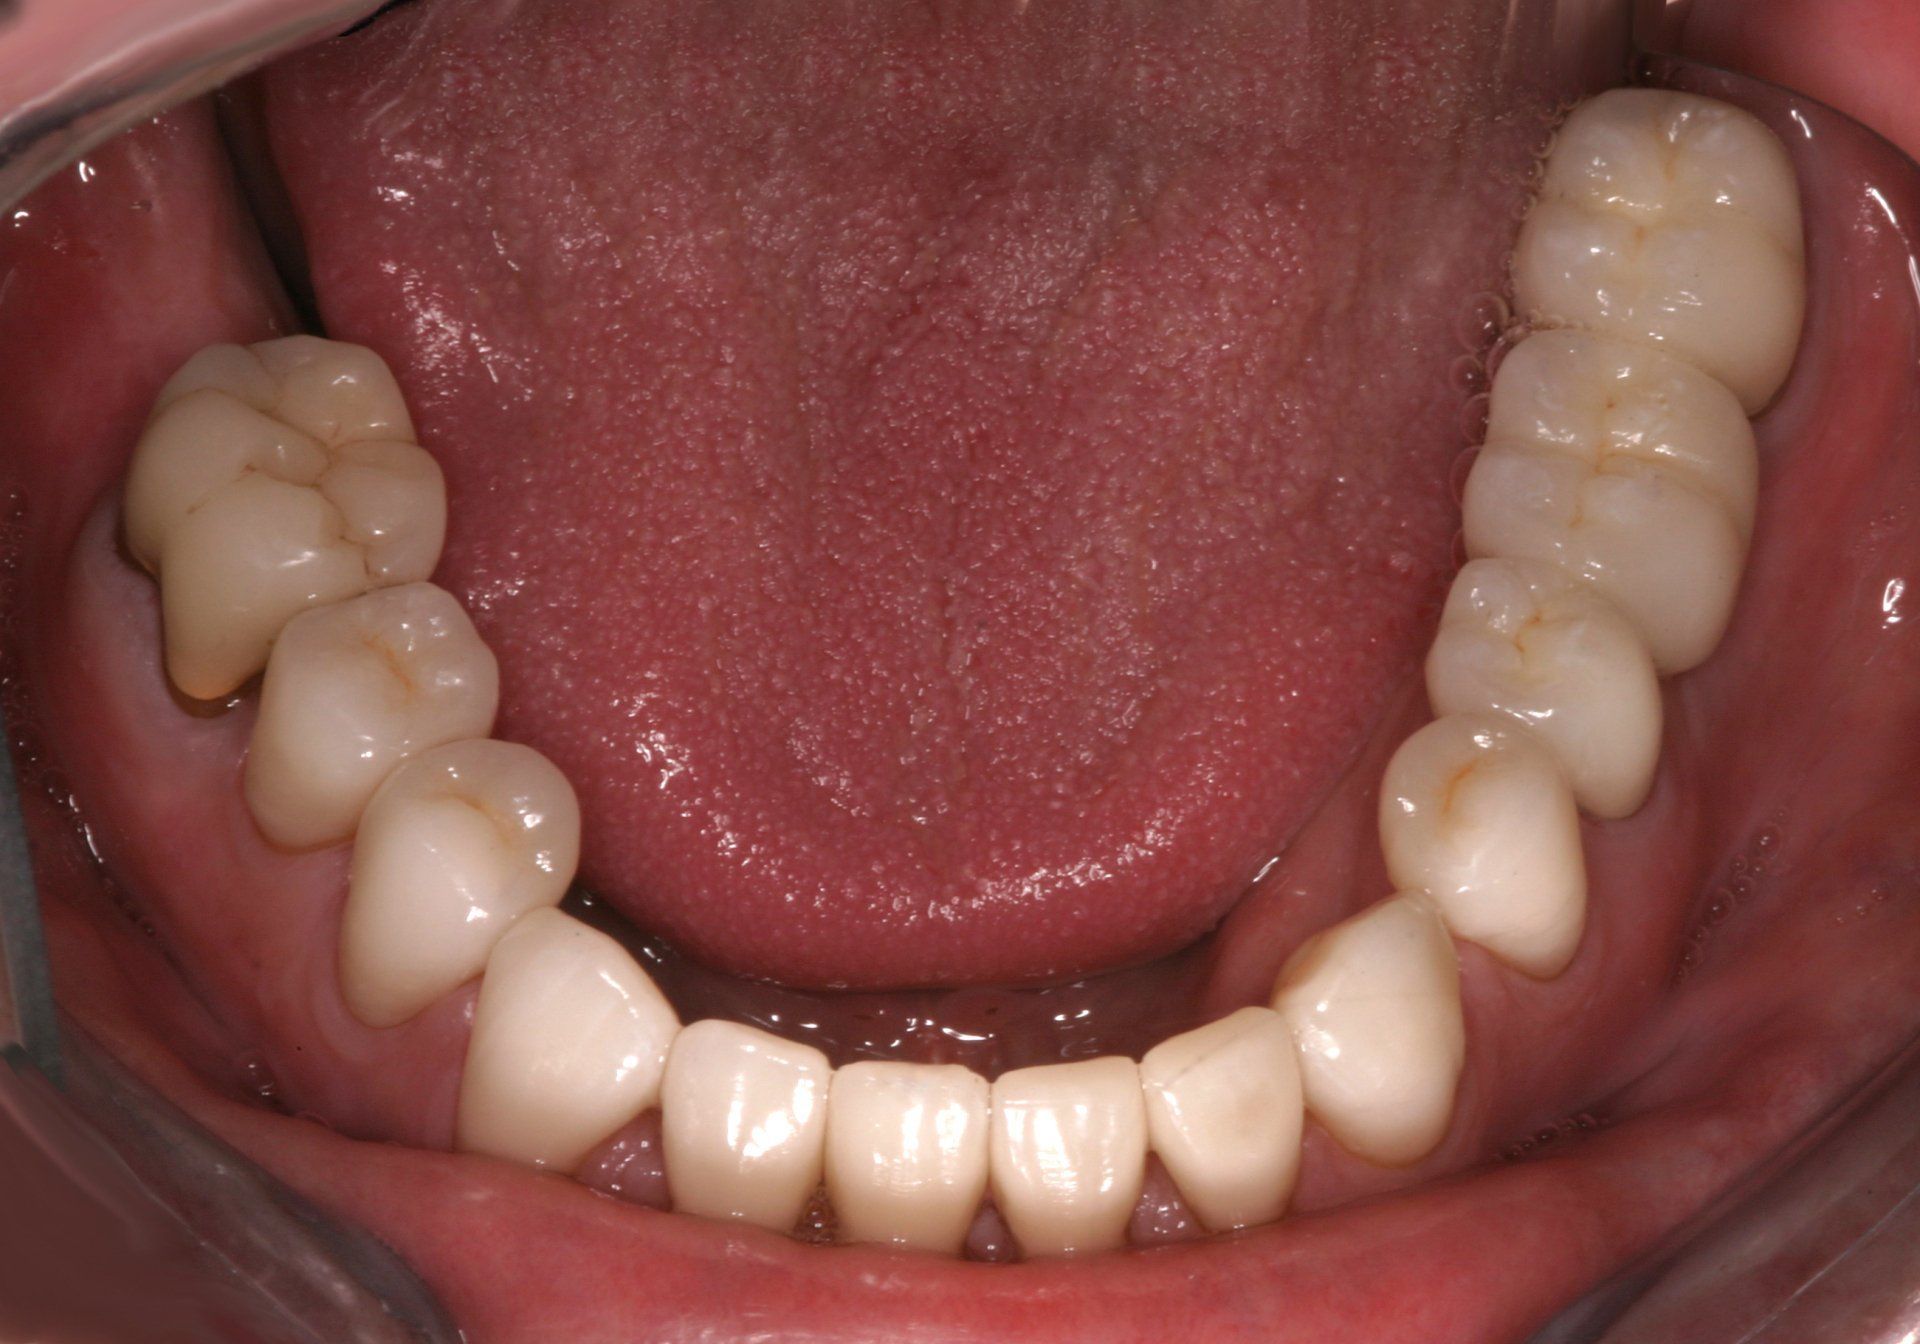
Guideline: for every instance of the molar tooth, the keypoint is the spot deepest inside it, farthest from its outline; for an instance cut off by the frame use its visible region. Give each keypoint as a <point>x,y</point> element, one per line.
<point>1068,1154</point>
<point>1673,219</point>
<point>569,1040</point>
<point>351,691</point>
<point>906,1157</point>
<point>271,480</point>
<point>1596,398</point>
<point>1666,554</point>
<point>458,844</point>
<point>743,1118</point>
<point>1224,1112</point>
<point>1524,640</point>
<point>1374,1007</point>
<point>1478,815</point>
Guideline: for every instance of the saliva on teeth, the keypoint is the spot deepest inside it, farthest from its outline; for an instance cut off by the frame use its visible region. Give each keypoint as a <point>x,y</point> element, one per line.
<point>293,523</point>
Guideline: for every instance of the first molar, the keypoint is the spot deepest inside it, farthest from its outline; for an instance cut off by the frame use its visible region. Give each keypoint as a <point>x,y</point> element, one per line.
<point>272,479</point>
<point>293,524</point>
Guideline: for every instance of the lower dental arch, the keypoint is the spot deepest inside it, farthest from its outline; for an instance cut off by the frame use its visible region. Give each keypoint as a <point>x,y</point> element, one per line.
<point>292,522</point>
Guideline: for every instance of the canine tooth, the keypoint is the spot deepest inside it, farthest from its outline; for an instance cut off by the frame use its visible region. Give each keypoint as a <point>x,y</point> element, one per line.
<point>458,844</point>
<point>1666,554</point>
<point>1069,1152</point>
<point>1224,1113</point>
<point>1673,219</point>
<point>1478,815</point>
<point>351,691</point>
<point>1374,1007</point>
<point>1524,640</point>
<point>272,479</point>
<point>1599,398</point>
<point>569,1040</point>
<point>906,1157</point>
<point>744,1115</point>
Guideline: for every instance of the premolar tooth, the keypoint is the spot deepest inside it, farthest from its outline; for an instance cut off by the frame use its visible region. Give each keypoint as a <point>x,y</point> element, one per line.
<point>1069,1153</point>
<point>570,1038</point>
<point>1674,219</point>
<point>272,479</point>
<point>906,1157</point>
<point>744,1118</point>
<point>1666,554</point>
<point>458,844</point>
<point>1599,398</point>
<point>1224,1114</point>
<point>1524,640</point>
<point>1374,1007</point>
<point>351,691</point>
<point>1478,815</point>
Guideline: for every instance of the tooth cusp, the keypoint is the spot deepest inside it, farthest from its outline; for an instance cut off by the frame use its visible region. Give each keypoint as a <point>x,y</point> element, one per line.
<point>271,480</point>
<point>569,1043</point>
<point>1674,220</point>
<point>351,691</point>
<point>1374,1007</point>
<point>457,844</point>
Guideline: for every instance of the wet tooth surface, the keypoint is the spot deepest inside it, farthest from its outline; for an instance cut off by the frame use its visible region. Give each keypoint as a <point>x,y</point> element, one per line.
<point>1224,1113</point>
<point>459,843</point>
<point>570,1038</point>
<point>906,1157</point>
<point>1069,1154</point>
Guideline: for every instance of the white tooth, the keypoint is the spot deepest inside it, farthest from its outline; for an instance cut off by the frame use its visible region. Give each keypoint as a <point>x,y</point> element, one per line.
<point>1224,1113</point>
<point>271,480</point>
<point>569,1040</point>
<point>1673,219</point>
<point>1069,1154</point>
<point>906,1155</point>
<point>743,1121</point>
<point>1597,398</point>
<point>459,843</point>
<point>351,691</point>
<point>1522,639</point>
<point>1374,1007</point>
<point>1668,556</point>
<point>1477,814</point>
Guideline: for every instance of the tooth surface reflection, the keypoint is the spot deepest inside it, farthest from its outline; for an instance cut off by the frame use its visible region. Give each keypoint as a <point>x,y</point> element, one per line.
<point>1671,219</point>
<point>1374,1007</point>
<point>1521,639</point>
<point>569,1040</point>
<point>1224,1113</point>
<point>1069,1154</point>
<point>351,691</point>
<point>459,843</point>
<point>1479,816</point>
<point>906,1158</point>
<point>743,1119</point>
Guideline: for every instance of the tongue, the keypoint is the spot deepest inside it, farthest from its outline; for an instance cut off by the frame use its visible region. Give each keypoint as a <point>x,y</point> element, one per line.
<point>951,494</point>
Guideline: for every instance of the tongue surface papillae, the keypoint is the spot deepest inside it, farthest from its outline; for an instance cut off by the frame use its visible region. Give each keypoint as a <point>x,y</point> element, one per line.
<point>951,492</point>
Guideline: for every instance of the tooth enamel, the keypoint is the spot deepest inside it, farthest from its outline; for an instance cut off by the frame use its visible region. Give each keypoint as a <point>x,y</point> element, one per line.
<point>744,1118</point>
<point>459,843</point>
<point>1672,219</point>
<point>1224,1114</point>
<point>1521,639</point>
<point>351,691</point>
<point>1478,815</point>
<point>1668,556</point>
<point>271,480</point>
<point>569,1040</point>
<point>1596,398</point>
<point>1374,1007</point>
<point>906,1156</point>
<point>1068,1154</point>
